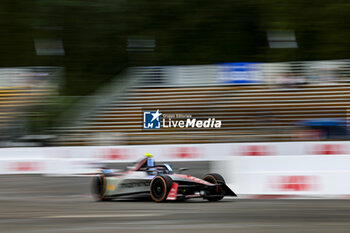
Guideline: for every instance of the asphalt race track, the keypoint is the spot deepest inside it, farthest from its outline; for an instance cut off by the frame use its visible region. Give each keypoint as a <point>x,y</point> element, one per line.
<point>62,204</point>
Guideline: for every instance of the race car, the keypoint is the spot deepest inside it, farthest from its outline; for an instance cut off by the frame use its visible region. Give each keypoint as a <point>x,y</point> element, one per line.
<point>159,182</point>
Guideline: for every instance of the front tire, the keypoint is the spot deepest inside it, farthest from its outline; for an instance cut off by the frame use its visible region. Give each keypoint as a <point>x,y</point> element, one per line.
<point>215,178</point>
<point>160,187</point>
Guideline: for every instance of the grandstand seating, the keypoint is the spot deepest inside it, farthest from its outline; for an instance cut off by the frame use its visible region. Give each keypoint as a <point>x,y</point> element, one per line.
<point>14,102</point>
<point>248,113</point>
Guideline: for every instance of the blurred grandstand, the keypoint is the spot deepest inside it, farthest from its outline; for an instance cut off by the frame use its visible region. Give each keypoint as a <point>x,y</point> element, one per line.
<point>255,101</point>
<point>21,91</point>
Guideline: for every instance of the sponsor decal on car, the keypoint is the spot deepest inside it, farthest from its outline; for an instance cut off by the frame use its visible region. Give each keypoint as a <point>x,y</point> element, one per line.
<point>135,184</point>
<point>173,192</point>
<point>192,178</point>
<point>110,187</point>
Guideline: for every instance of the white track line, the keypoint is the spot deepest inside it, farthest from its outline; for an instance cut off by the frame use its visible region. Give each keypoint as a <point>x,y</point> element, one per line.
<point>102,215</point>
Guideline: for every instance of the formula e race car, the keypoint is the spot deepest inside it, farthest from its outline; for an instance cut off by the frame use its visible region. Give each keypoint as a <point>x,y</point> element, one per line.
<point>159,182</point>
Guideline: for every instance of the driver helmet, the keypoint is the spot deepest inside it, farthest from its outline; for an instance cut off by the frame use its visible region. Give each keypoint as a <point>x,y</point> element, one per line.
<point>150,161</point>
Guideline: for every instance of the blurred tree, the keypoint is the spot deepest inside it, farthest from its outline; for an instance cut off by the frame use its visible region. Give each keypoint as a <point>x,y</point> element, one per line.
<point>95,33</point>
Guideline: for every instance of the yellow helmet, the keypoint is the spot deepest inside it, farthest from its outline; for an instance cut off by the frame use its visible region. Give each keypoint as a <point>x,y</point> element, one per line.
<point>148,155</point>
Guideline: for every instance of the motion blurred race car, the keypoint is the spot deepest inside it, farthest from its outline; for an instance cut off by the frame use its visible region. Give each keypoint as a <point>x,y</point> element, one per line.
<point>158,181</point>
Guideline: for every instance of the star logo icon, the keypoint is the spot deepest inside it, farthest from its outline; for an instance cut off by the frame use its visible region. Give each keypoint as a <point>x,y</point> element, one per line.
<point>156,115</point>
<point>151,120</point>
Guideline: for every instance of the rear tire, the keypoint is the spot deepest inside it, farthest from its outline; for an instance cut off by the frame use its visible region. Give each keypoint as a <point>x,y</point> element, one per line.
<point>160,187</point>
<point>215,178</point>
<point>99,187</point>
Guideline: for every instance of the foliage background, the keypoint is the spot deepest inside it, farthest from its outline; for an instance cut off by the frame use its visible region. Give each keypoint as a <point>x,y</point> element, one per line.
<point>95,33</point>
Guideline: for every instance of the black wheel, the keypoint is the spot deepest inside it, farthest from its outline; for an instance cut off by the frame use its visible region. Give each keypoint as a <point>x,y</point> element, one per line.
<point>215,178</point>
<point>160,187</point>
<point>99,187</point>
